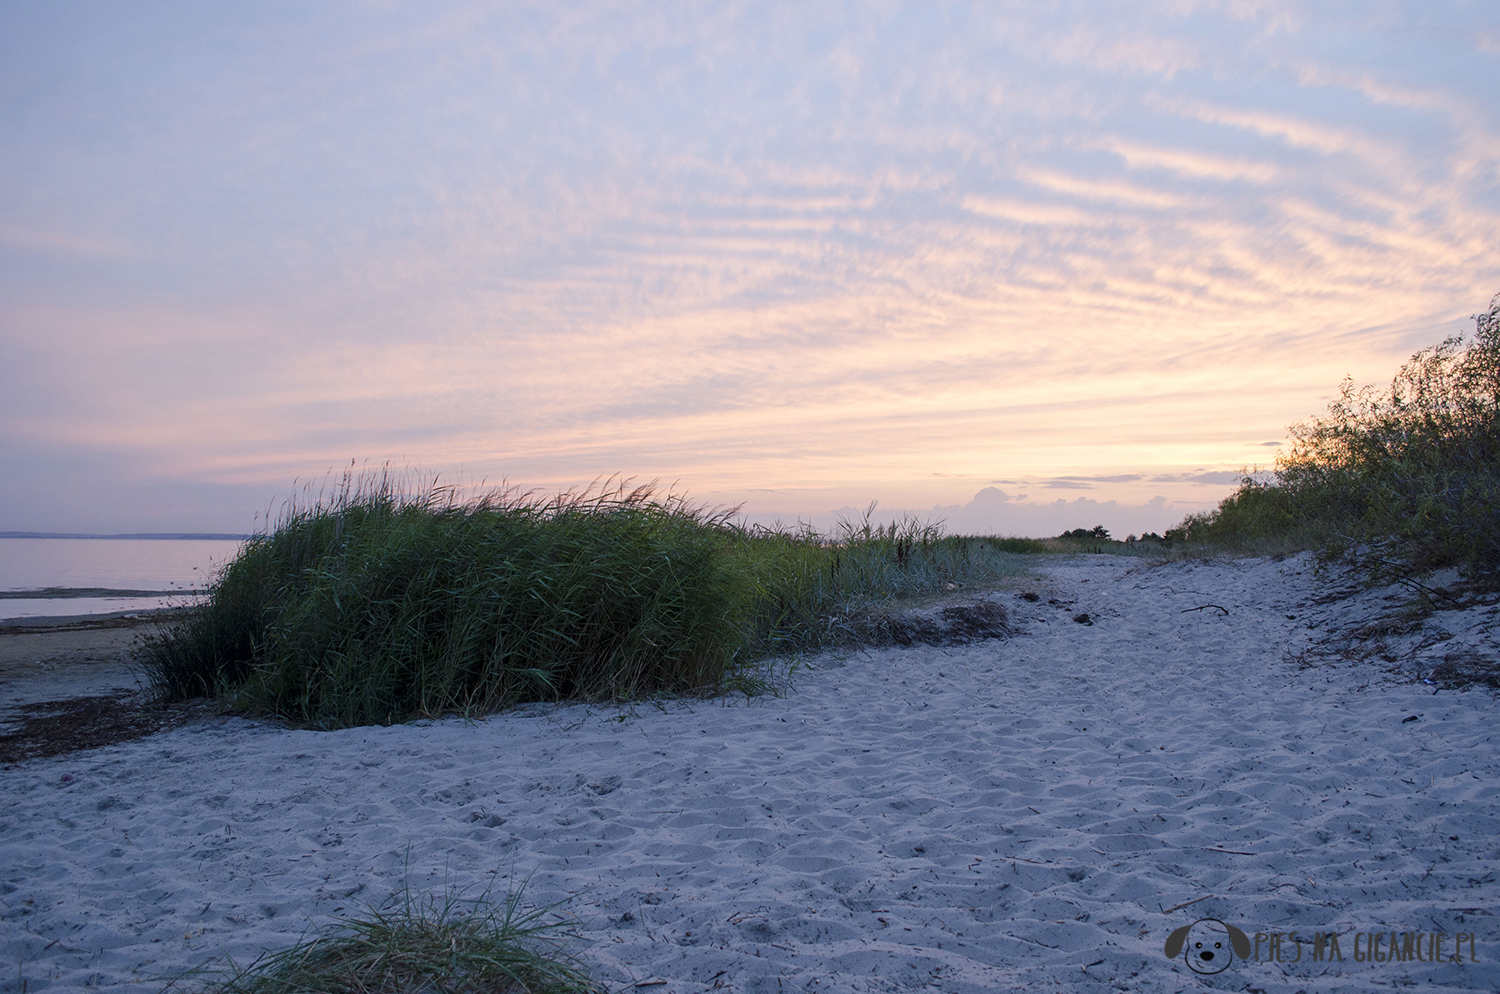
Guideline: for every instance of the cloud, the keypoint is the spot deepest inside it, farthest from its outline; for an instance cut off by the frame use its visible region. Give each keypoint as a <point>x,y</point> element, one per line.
<point>998,513</point>
<point>1216,478</point>
<point>1193,164</point>
<point>783,248</point>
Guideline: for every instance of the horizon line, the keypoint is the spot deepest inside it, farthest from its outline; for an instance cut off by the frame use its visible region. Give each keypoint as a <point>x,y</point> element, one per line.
<point>201,536</point>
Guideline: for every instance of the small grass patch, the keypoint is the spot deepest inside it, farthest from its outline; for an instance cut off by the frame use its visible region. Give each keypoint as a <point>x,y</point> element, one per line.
<point>807,591</point>
<point>447,946</point>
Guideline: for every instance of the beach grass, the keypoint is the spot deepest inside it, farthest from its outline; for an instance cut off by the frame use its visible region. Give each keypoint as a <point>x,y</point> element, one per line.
<point>1399,481</point>
<point>441,946</point>
<point>807,591</point>
<point>373,603</point>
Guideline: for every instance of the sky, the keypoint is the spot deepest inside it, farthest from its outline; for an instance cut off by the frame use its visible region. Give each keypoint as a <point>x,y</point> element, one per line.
<point>1020,267</point>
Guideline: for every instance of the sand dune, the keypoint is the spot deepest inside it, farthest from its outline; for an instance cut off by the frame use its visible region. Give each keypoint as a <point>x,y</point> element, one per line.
<point>1016,813</point>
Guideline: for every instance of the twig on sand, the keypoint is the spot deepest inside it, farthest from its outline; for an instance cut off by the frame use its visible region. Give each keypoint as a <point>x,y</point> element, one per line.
<point>1414,584</point>
<point>1202,607</point>
<point>1179,907</point>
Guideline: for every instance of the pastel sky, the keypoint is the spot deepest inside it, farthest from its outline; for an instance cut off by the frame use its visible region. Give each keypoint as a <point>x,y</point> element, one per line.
<point>967,259</point>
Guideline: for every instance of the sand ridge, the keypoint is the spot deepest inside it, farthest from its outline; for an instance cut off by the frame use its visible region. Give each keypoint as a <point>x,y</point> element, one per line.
<point>1013,813</point>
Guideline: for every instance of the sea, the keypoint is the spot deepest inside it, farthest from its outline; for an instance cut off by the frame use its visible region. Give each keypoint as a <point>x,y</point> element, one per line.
<point>53,577</point>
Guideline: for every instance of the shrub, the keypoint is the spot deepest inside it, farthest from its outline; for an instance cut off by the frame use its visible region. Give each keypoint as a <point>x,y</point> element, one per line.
<point>1402,478</point>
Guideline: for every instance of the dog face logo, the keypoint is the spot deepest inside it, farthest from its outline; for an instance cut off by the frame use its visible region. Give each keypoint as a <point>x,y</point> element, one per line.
<point>1210,945</point>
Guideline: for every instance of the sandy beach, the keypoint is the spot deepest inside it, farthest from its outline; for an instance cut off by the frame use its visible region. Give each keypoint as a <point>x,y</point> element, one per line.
<point>1037,812</point>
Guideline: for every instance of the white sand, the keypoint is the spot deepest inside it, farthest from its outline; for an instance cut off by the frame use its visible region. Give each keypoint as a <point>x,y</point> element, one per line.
<point>1008,814</point>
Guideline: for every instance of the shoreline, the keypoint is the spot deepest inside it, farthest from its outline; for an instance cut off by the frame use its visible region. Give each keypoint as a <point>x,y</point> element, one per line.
<point>85,622</point>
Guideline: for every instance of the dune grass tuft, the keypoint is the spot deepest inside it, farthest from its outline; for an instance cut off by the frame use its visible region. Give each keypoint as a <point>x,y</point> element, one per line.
<point>373,605</point>
<point>1399,480</point>
<point>447,946</point>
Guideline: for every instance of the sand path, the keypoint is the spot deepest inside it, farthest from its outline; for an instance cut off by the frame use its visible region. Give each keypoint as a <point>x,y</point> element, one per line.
<point>1007,814</point>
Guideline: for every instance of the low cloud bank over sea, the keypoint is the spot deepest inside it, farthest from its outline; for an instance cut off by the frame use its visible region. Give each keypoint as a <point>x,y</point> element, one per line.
<point>1026,513</point>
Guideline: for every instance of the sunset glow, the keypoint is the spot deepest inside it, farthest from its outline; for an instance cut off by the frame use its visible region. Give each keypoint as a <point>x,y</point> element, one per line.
<point>795,258</point>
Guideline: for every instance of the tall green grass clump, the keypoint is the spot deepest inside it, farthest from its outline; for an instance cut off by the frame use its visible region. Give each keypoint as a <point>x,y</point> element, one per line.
<point>1400,479</point>
<point>373,606</point>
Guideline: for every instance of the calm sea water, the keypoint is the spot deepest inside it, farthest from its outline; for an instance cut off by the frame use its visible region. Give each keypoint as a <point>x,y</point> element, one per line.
<point>74,564</point>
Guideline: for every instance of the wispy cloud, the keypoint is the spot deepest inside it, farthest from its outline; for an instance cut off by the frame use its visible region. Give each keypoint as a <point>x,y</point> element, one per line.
<point>762,249</point>
<point>1215,478</point>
